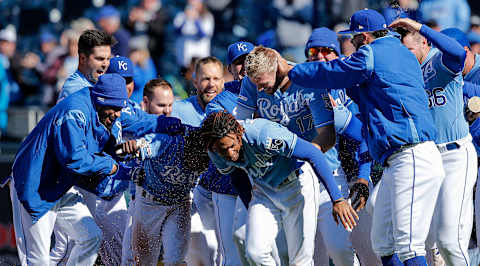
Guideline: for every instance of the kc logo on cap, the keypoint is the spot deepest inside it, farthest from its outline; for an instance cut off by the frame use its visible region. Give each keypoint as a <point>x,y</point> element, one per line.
<point>242,47</point>
<point>122,65</point>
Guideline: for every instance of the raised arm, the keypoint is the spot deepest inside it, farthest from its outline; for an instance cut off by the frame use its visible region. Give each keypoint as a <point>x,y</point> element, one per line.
<point>335,74</point>
<point>453,53</point>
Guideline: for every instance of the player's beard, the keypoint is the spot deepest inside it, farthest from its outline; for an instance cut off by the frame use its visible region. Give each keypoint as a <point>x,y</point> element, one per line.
<point>206,98</point>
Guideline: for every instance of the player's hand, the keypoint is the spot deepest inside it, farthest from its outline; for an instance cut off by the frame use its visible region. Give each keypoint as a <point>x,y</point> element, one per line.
<point>409,24</point>
<point>343,212</point>
<point>126,148</point>
<point>283,66</point>
<point>130,146</point>
<point>359,194</point>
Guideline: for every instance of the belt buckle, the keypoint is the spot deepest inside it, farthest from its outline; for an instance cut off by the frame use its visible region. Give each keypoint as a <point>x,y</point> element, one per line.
<point>452,146</point>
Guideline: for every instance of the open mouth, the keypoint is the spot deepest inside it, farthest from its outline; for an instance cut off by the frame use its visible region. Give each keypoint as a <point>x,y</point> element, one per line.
<point>100,72</point>
<point>211,93</point>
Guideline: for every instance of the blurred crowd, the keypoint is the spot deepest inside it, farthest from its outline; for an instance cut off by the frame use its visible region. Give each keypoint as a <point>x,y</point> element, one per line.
<point>38,39</point>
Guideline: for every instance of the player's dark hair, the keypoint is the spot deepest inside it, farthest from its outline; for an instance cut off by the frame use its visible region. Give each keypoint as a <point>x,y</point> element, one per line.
<point>379,33</point>
<point>92,38</point>
<point>151,85</point>
<point>195,153</point>
<point>208,60</point>
<point>219,124</point>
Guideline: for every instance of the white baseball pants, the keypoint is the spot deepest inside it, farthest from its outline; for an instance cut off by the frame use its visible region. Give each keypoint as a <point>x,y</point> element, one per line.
<point>224,207</point>
<point>333,240</point>
<point>293,206</point>
<point>70,215</point>
<point>453,217</point>
<point>406,200</point>
<point>110,216</point>
<point>160,230</point>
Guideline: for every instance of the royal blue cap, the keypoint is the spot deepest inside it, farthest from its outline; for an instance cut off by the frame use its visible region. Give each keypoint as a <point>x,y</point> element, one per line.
<point>107,12</point>
<point>458,35</point>
<point>323,37</point>
<point>121,65</point>
<point>110,90</point>
<point>473,37</point>
<point>366,20</point>
<point>238,49</point>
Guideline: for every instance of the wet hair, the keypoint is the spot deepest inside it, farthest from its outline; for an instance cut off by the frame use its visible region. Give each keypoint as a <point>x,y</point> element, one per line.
<point>195,153</point>
<point>151,85</point>
<point>92,38</point>
<point>261,60</point>
<point>218,125</point>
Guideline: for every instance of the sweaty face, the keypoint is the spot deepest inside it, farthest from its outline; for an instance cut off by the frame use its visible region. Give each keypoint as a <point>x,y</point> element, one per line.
<point>321,54</point>
<point>97,62</point>
<point>229,147</point>
<point>208,82</point>
<point>266,82</point>
<point>161,102</point>
<point>108,114</point>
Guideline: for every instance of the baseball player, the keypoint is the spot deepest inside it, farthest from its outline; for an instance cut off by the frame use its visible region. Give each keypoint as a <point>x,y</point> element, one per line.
<point>304,111</point>
<point>323,46</point>
<point>224,193</point>
<point>284,188</point>
<point>389,91</point>
<point>94,50</point>
<point>442,71</point>
<point>208,81</point>
<point>169,168</point>
<point>157,99</point>
<point>64,148</point>
<point>111,213</point>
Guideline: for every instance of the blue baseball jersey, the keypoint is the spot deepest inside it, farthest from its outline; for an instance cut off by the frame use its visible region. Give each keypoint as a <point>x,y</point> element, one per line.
<point>266,153</point>
<point>165,175</point>
<point>445,92</point>
<point>189,111</point>
<point>300,109</point>
<point>74,83</point>
<point>212,179</point>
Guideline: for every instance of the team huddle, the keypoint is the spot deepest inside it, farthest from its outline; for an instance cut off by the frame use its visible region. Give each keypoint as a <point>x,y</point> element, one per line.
<point>272,168</point>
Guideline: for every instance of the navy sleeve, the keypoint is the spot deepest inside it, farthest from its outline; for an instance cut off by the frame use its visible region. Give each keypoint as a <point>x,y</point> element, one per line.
<point>471,89</point>
<point>453,53</point>
<point>242,185</point>
<point>305,151</point>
